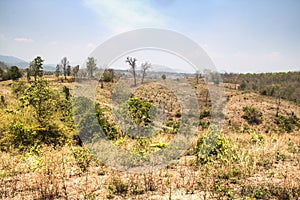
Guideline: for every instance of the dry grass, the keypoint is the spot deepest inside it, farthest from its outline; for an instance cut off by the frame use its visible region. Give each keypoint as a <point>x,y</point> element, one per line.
<point>259,164</point>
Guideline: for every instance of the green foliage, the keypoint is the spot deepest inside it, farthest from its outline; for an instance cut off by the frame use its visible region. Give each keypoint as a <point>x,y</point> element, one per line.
<point>39,97</point>
<point>287,123</point>
<point>139,111</point>
<point>66,91</point>
<point>163,77</point>
<point>286,85</point>
<point>91,121</point>
<point>108,75</point>
<point>225,192</point>
<point>252,115</point>
<point>13,73</point>
<point>91,66</point>
<point>57,71</point>
<point>243,85</point>
<point>18,88</point>
<point>211,148</point>
<point>20,136</point>
<point>36,67</point>
<point>158,145</point>
<point>82,157</point>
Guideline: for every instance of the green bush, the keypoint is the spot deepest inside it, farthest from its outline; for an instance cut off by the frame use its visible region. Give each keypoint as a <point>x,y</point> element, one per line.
<point>82,157</point>
<point>211,148</point>
<point>20,136</point>
<point>287,123</point>
<point>139,111</point>
<point>252,115</point>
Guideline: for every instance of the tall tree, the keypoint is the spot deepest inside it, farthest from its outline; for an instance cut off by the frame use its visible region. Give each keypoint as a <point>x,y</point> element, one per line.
<point>91,66</point>
<point>36,67</point>
<point>64,64</point>
<point>132,63</point>
<point>145,66</point>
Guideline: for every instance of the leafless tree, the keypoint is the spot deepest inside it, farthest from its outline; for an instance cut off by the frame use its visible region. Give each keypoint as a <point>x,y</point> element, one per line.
<point>144,66</point>
<point>64,64</point>
<point>132,62</point>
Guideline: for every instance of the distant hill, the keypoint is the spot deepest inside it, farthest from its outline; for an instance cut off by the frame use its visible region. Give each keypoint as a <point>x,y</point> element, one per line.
<point>14,61</point>
<point>11,59</point>
<point>22,64</point>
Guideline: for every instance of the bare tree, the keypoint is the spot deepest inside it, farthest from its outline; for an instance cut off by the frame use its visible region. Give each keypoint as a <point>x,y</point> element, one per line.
<point>64,64</point>
<point>145,66</point>
<point>132,62</point>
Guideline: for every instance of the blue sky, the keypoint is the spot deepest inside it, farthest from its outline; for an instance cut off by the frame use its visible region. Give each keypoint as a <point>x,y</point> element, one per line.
<point>239,36</point>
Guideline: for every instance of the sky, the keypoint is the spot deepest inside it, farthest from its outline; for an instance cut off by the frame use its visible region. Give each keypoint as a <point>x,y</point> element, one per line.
<point>239,36</point>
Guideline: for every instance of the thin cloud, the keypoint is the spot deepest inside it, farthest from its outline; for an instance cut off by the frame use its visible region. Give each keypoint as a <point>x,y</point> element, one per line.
<point>25,40</point>
<point>120,15</point>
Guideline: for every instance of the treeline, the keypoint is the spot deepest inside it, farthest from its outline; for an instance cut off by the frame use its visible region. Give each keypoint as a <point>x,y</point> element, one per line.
<point>284,85</point>
<point>10,73</point>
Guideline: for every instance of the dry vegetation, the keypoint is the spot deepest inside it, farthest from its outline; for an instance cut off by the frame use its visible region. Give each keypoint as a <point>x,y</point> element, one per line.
<point>250,160</point>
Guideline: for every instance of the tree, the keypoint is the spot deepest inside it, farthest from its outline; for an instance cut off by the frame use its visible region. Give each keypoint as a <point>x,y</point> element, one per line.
<point>163,77</point>
<point>64,64</point>
<point>132,62</point>
<point>1,72</point>
<point>75,70</point>
<point>69,70</point>
<point>39,97</point>
<point>36,67</point>
<point>91,66</point>
<point>108,75</point>
<point>57,71</point>
<point>14,73</point>
<point>197,76</point>
<point>145,66</point>
<point>242,85</point>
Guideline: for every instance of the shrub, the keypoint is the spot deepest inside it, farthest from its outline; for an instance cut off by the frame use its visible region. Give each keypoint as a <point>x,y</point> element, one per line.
<point>108,75</point>
<point>287,123</point>
<point>139,111</point>
<point>20,136</point>
<point>252,115</point>
<point>211,148</point>
<point>82,157</point>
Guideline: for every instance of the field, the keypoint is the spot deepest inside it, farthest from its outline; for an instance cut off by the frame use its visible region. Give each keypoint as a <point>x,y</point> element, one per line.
<point>256,154</point>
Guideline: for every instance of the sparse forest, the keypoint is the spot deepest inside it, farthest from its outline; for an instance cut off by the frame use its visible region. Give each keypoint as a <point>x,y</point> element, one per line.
<point>256,155</point>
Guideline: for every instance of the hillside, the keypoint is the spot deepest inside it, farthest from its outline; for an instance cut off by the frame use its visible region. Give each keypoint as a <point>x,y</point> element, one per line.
<point>256,154</point>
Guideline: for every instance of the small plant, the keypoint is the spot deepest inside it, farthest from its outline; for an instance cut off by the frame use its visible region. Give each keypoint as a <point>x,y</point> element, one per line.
<point>82,157</point>
<point>252,115</point>
<point>117,187</point>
